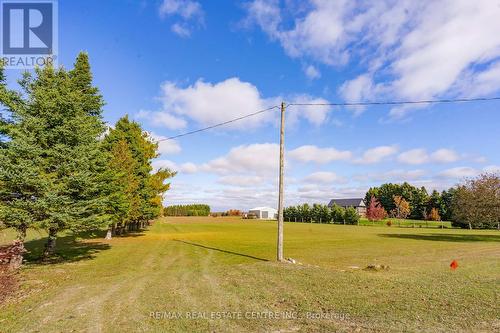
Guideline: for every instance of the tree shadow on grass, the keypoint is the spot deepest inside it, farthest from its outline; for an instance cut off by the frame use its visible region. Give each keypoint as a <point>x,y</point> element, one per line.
<point>446,237</point>
<point>220,250</point>
<point>69,248</point>
<point>72,246</point>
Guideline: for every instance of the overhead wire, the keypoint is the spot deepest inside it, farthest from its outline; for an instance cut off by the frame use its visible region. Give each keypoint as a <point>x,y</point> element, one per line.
<point>438,101</point>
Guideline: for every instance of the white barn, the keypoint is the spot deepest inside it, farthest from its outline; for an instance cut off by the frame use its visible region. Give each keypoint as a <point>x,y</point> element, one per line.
<point>264,213</point>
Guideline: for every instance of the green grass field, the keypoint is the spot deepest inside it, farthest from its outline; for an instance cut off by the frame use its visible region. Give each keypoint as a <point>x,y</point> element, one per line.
<point>204,267</point>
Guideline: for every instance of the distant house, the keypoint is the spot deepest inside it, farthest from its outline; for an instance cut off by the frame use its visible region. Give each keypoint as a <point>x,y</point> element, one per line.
<point>356,203</point>
<point>264,213</point>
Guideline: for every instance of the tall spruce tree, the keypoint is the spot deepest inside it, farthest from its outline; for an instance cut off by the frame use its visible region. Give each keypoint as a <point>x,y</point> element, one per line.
<point>52,169</point>
<point>124,200</point>
<point>150,186</point>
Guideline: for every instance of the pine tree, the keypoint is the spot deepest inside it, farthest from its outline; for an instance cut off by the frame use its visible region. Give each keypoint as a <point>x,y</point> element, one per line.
<point>123,200</point>
<point>150,187</point>
<point>53,166</point>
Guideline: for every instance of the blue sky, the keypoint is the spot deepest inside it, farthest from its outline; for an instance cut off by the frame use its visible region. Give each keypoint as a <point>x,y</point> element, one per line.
<point>178,65</point>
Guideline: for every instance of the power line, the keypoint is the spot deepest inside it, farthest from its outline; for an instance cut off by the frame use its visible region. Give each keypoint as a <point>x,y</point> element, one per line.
<point>457,100</point>
<point>219,124</point>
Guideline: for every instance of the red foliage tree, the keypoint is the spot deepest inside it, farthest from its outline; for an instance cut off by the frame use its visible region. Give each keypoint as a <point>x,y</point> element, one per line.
<point>375,211</point>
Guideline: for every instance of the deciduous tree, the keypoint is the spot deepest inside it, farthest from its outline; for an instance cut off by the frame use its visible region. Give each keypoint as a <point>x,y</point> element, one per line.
<point>476,204</point>
<point>375,211</point>
<point>402,207</point>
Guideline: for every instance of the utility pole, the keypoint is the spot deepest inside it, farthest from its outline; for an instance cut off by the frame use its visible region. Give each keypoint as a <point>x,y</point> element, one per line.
<point>281,185</point>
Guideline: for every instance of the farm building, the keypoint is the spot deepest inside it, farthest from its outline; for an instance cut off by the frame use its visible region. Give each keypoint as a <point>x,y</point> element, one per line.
<point>356,203</point>
<point>264,213</point>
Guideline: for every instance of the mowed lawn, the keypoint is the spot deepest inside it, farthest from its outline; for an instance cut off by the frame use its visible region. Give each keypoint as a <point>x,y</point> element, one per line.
<point>224,267</point>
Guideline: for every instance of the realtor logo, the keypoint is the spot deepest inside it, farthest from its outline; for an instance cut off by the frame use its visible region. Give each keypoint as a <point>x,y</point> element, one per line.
<point>29,33</point>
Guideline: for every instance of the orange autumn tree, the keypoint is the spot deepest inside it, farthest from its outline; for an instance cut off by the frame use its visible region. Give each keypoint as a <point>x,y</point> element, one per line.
<point>402,209</point>
<point>434,215</point>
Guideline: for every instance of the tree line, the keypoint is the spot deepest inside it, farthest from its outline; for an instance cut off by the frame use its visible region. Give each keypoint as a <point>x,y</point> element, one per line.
<point>319,213</point>
<point>420,201</point>
<point>61,168</point>
<point>187,210</point>
<point>473,204</point>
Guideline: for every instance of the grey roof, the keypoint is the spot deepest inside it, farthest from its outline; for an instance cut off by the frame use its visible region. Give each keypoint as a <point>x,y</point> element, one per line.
<point>354,202</point>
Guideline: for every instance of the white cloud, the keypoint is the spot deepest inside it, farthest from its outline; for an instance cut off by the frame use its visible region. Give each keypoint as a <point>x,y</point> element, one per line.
<point>162,119</point>
<point>409,49</point>
<point>309,153</point>
<point>324,177</point>
<point>377,154</point>
<point>316,115</point>
<point>183,168</point>
<point>414,156</point>
<point>208,103</point>
<point>459,172</point>
<point>188,11</point>
<point>180,30</point>
<point>318,34</point>
<point>444,156</point>
<point>359,89</point>
<point>420,156</point>
<point>241,181</point>
<point>166,147</point>
<point>312,72</point>
<point>487,81</point>
<point>212,103</point>
<point>256,159</point>
<point>314,193</point>
<point>392,175</point>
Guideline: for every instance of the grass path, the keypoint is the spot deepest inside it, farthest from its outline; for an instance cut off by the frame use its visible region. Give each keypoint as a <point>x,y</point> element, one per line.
<point>206,266</point>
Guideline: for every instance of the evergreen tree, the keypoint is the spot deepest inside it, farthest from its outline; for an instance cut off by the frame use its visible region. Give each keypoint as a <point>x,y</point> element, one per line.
<point>52,167</point>
<point>337,213</point>
<point>351,216</point>
<point>147,203</point>
<point>123,201</point>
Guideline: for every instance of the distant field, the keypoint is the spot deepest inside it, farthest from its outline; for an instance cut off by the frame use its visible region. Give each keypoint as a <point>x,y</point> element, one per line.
<point>215,266</point>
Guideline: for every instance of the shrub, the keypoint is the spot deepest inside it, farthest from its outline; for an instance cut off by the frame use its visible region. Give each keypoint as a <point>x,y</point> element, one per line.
<point>351,216</point>
<point>389,223</point>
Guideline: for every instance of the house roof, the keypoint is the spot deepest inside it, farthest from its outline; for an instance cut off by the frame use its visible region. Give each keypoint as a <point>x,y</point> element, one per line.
<point>262,208</point>
<point>354,202</point>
